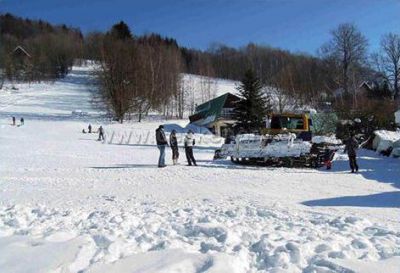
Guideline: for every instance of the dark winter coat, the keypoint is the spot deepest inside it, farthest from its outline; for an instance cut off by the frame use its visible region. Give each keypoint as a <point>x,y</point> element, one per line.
<point>173,142</point>
<point>351,147</point>
<point>161,139</point>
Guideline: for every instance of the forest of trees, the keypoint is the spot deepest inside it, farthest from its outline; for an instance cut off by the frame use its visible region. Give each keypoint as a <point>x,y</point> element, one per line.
<point>139,73</point>
<point>143,72</point>
<point>52,49</point>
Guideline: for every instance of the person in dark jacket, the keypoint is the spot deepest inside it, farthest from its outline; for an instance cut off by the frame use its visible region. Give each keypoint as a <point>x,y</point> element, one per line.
<point>101,133</point>
<point>13,121</point>
<point>173,143</point>
<point>351,149</point>
<point>90,129</point>
<point>161,140</point>
<point>22,121</point>
<point>189,143</point>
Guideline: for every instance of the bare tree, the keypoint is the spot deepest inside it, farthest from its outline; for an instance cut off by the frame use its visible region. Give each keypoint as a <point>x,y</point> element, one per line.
<point>388,61</point>
<point>117,76</point>
<point>347,48</point>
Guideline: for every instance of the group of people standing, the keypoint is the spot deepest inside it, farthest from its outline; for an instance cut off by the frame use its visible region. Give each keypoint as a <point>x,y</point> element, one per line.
<point>162,142</point>
<point>22,121</point>
<point>189,142</point>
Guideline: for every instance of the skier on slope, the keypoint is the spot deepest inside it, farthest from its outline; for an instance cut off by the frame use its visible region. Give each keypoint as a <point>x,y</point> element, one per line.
<point>351,149</point>
<point>101,133</point>
<point>189,143</point>
<point>173,143</point>
<point>161,140</point>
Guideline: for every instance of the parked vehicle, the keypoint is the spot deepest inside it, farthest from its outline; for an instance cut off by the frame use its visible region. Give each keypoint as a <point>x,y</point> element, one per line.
<point>287,142</point>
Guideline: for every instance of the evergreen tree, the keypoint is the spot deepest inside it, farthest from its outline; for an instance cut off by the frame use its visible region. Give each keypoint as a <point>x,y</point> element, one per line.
<point>121,31</point>
<point>250,111</point>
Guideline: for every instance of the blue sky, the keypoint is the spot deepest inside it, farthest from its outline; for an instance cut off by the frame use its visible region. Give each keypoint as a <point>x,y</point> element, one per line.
<point>297,25</point>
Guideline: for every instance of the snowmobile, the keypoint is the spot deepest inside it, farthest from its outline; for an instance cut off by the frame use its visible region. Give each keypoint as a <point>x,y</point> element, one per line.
<point>286,141</point>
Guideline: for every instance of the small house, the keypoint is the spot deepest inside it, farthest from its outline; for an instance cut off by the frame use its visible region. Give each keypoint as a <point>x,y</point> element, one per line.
<point>21,57</point>
<point>20,52</point>
<point>216,114</point>
<point>22,63</point>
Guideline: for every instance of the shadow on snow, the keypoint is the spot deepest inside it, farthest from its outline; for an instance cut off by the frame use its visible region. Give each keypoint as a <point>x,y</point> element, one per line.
<point>127,166</point>
<point>372,167</point>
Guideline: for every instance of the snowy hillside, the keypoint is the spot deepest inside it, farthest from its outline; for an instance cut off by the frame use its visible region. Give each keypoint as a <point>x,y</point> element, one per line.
<point>199,89</point>
<point>69,203</point>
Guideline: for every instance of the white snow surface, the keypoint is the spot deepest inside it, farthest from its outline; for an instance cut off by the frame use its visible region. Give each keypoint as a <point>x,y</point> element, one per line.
<point>69,203</point>
<point>385,139</point>
<point>330,139</point>
<point>388,135</point>
<point>397,117</point>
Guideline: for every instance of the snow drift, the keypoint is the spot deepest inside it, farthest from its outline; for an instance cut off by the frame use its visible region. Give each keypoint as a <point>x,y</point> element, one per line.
<point>386,139</point>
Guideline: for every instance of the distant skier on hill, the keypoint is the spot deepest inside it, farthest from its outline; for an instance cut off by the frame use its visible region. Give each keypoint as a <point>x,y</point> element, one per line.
<point>90,129</point>
<point>161,140</point>
<point>22,121</point>
<point>13,121</point>
<point>189,143</point>
<point>173,142</point>
<point>351,149</point>
<point>101,133</point>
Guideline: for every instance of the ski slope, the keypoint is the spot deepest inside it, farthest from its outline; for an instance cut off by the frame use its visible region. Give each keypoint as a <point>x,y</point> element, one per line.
<point>69,203</point>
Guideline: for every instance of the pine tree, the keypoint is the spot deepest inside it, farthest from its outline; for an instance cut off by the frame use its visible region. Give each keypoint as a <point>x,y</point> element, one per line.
<point>250,111</point>
<point>121,31</point>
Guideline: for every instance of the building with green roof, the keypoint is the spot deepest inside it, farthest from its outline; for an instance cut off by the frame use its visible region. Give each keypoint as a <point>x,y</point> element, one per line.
<point>216,114</point>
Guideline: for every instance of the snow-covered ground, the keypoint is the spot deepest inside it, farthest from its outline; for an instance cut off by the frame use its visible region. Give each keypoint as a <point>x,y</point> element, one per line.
<point>69,203</point>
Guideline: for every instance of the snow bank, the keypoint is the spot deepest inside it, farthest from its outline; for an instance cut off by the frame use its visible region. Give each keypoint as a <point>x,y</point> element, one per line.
<point>326,139</point>
<point>197,236</point>
<point>397,117</point>
<point>396,149</point>
<point>387,265</point>
<point>171,261</point>
<point>384,139</point>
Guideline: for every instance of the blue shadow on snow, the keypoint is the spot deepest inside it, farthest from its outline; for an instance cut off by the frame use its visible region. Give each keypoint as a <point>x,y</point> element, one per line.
<point>372,167</point>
